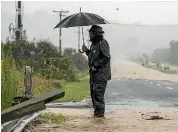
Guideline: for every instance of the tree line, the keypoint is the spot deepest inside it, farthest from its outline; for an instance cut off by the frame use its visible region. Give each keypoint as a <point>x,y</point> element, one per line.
<point>45,58</point>
<point>167,54</point>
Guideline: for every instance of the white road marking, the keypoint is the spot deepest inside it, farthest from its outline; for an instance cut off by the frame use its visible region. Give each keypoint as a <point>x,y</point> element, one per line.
<point>169,87</point>
<point>158,85</point>
<point>115,94</point>
<point>151,82</point>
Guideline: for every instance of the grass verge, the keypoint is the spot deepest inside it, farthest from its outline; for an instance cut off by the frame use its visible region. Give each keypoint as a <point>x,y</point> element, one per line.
<point>164,70</point>
<point>10,84</point>
<point>53,118</point>
<point>13,85</point>
<point>76,91</point>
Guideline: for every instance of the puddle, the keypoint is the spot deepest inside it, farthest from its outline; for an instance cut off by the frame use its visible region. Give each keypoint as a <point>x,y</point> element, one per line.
<point>132,94</point>
<point>116,105</point>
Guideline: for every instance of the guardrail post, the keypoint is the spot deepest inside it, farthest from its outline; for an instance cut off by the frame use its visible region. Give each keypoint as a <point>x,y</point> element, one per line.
<point>28,81</point>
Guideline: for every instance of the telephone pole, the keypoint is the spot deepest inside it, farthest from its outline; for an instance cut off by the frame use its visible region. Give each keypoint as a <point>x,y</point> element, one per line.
<point>79,35</point>
<point>16,32</point>
<point>61,14</point>
<point>19,21</point>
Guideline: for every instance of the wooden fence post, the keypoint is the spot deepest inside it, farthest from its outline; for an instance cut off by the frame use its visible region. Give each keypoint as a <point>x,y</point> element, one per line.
<point>28,81</point>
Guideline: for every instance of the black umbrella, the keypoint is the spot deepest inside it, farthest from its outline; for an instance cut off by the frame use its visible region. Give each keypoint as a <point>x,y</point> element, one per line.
<point>81,19</point>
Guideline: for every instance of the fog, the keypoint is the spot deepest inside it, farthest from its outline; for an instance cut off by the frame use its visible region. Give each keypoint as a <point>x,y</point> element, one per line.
<point>124,40</point>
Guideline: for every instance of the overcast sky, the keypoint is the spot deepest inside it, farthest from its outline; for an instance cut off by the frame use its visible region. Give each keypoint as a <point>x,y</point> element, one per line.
<point>129,12</point>
<point>39,21</point>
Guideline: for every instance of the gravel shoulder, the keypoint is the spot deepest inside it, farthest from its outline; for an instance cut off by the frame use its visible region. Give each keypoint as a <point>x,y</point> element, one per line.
<point>130,120</point>
<point>126,69</point>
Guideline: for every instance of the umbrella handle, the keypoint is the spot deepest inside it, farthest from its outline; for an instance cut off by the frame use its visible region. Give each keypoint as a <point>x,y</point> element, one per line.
<point>83,41</point>
<point>81,51</point>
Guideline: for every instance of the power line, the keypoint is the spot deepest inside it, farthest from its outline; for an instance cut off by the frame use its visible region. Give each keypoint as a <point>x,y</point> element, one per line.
<point>156,1</point>
<point>144,25</point>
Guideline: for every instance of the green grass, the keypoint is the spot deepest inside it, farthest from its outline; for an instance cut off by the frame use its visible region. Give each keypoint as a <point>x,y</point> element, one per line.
<point>83,75</point>
<point>73,90</point>
<point>164,70</point>
<point>76,91</point>
<point>12,81</point>
<point>10,84</point>
<point>53,118</point>
<point>169,71</point>
<point>41,85</point>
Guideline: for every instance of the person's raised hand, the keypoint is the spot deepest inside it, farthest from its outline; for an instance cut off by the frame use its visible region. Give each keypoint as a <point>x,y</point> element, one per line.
<point>84,48</point>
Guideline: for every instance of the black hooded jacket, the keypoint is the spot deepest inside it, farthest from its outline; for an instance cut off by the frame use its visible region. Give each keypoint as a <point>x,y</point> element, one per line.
<point>99,58</point>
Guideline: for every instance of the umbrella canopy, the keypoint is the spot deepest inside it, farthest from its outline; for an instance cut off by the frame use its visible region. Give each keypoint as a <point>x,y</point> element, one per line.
<point>81,19</point>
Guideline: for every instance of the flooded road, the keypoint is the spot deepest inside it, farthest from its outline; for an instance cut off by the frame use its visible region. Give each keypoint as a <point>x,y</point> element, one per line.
<point>128,103</point>
<point>135,94</point>
<point>133,91</point>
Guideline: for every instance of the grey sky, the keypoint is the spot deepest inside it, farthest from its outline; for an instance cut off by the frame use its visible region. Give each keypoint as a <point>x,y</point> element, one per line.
<point>130,12</point>
<point>39,21</point>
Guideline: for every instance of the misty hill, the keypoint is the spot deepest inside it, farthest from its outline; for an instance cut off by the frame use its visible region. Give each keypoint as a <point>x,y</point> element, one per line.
<point>161,55</point>
<point>122,38</point>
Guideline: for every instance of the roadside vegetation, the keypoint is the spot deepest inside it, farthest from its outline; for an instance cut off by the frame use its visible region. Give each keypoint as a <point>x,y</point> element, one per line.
<point>53,118</point>
<point>164,69</point>
<point>50,70</point>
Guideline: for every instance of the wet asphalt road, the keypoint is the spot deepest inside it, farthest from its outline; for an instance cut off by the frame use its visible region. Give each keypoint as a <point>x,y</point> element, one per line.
<point>142,93</point>
<point>149,94</point>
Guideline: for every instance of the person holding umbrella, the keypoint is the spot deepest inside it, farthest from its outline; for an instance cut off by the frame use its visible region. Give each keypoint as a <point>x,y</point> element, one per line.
<point>98,55</point>
<point>99,68</point>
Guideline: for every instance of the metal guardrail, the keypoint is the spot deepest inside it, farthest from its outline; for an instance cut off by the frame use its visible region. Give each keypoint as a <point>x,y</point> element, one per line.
<point>25,108</point>
<point>19,124</point>
<point>15,118</point>
<point>30,106</point>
